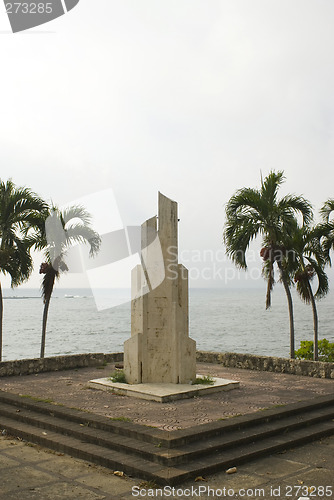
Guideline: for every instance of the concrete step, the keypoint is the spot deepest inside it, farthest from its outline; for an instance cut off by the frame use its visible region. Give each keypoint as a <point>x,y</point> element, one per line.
<point>241,454</point>
<point>85,433</point>
<point>205,431</point>
<point>148,453</point>
<point>167,439</point>
<point>129,429</point>
<point>99,455</point>
<point>159,454</point>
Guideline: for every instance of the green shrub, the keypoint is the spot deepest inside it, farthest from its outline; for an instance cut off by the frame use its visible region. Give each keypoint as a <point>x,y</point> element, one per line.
<point>325,349</point>
<point>205,380</point>
<point>118,376</point>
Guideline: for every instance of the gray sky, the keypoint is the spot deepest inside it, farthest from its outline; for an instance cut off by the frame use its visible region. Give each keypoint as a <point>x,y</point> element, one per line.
<point>190,97</point>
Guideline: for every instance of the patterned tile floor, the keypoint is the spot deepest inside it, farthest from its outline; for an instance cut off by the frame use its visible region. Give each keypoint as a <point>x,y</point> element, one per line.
<point>257,390</point>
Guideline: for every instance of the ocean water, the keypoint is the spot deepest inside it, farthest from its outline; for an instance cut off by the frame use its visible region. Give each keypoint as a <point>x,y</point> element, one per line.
<point>222,320</point>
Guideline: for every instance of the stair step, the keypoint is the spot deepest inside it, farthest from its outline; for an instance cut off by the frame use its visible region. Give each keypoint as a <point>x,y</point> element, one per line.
<point>129,429</point>
<point>160,454</point>
<point>152,471</point>
<point>99,455</point>
<point>204,431</point>
<point>240,454</point>
<point>164,438</point>
<point>166,457</point>
<point>85,433</point>
<point>252,434</point>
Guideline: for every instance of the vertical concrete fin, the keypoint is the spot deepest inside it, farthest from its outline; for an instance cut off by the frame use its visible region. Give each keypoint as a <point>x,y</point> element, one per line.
<point>160,350</point>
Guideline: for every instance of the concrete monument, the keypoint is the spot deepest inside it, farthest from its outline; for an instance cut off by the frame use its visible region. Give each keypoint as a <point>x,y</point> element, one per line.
<point>160,350</point>
<point>160,358</point>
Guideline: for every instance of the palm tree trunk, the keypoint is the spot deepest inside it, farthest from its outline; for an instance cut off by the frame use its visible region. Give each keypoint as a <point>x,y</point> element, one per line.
<point>270,284</point>
<point>290,307</point>
<point>1,315</point>
<point>315,323</point>
<point>45,319</point>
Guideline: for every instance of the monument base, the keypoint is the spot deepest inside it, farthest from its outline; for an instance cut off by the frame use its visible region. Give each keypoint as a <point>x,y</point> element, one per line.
<point>163,393</point>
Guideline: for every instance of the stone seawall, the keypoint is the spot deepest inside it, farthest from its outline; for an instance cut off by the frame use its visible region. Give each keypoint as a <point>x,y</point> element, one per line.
<point>228,359</point>
<point>270,364</point>
<point>56,363</point>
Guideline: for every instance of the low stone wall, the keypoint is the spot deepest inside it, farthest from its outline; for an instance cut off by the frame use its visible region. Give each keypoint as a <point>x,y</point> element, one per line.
<point>228,359</point>
<point>270,364</point>
<point>56,363</point>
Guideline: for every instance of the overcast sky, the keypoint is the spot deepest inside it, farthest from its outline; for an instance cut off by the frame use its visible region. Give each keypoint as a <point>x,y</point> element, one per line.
<point>190,97</point>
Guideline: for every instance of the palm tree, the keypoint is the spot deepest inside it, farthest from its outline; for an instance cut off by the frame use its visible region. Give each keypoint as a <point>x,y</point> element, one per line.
<point>307,263</point>
<point>252,212</point>
<point>327,228</point>
<point>63,229</point>
<point>20,212</point>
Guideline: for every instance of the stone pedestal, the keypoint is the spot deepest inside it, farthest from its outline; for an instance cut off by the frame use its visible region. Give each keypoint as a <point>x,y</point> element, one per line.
<point>160,350</point>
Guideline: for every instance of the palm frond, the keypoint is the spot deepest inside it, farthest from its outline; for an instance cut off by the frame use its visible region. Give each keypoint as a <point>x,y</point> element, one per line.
<point>76,212</point>
<point>244,201</point>
<point>238,234</point>
<point>323,285</point>
<point>270,185</point>
<point>291,205</point>
<point>327,209</point>
<point>80,233</point>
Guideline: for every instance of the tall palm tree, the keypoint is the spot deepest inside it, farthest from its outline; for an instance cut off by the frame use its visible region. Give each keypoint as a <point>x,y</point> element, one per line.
<point>308,261</point>
<point>327,228</point>
<point>252,212</point>
<point>20,212</point>
<point>63,229</point>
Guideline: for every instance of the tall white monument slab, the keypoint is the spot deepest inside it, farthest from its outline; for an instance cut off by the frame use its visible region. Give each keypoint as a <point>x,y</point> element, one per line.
<point>160,350</point>
<point>160,358</point>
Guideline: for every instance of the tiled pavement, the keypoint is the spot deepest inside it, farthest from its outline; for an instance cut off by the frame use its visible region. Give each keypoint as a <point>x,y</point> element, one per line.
<point>258,390</point>
<point>29,472</point>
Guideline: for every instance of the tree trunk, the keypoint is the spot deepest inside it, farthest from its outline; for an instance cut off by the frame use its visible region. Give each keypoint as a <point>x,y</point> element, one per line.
<point>45,319</point>
<point>1,315</point>
<point>290,306</point>
<point>315,324</point>
<point>270,282</point>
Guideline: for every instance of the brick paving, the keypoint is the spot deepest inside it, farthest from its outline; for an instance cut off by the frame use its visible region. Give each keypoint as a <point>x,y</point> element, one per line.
<point>258,390</point>
<point>29,472</point>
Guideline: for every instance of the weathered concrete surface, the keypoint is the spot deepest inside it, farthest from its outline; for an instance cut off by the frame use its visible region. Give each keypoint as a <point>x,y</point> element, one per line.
<point>160,350</point>
<point>31,472</point>
<point>163,393</point>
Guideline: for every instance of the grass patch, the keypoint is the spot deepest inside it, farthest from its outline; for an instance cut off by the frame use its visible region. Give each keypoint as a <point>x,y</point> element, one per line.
<point>102,367</point>
<point>230,416</point>
<point>204,380</point>
<point>118,376</point>
<point>39,400</point>
<point>148,485</point>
